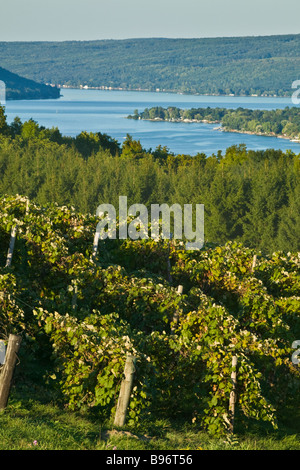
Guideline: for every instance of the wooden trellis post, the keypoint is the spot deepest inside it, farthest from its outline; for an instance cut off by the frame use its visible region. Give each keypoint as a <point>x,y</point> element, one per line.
<point>74,297</point>
<point>179,289</point>
<point>27,206</point>
<point>253,263</point>
<point>26,213</point>
<point>95,245</point>
<point>2,352</point>
<point>169,262</point>
<point>176,314</point>
<point>232,399</point>
<point>125,391</point>
<point>11,246</point>
<point>6,373</point>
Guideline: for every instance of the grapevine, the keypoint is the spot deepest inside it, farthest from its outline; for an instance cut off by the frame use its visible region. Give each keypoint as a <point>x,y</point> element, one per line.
<point>125,303</point>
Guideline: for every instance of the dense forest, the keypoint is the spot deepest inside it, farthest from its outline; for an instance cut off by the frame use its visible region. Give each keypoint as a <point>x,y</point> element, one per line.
<point>265,65</point>
<point>279,122</point>
<point>250,196</point>
<point>19,88</point>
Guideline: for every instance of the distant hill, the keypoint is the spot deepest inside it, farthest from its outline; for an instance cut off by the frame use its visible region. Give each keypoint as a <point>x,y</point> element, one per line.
<point>19,88</point>
<point>238,65</point>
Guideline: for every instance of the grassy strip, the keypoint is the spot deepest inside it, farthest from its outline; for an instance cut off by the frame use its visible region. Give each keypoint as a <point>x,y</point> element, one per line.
<point>33,423</point>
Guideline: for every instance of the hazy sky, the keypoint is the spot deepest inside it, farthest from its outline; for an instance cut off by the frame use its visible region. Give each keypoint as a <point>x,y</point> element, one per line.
<point>57,20</point>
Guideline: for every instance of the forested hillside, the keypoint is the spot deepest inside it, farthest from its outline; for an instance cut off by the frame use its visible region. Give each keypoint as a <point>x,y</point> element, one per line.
<point>19,88</point>
<point>250,196</point>
<point>239,65</point>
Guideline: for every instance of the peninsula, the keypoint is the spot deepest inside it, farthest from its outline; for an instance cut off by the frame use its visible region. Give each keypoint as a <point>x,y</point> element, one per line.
<point>282,123</point>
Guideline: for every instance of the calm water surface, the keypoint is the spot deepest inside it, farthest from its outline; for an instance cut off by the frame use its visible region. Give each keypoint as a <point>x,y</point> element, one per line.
<point>106,111</point>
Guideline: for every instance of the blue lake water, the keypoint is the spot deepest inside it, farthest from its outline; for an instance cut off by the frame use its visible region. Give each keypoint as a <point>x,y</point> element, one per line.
<point>106,111</point>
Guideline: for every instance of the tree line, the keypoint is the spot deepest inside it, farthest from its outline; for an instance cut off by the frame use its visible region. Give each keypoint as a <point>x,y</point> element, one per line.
<point>279,122</point>
<point>252,197</point>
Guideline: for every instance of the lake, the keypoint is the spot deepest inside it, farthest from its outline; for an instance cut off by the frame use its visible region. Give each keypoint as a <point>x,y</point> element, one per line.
<point>106,111</point>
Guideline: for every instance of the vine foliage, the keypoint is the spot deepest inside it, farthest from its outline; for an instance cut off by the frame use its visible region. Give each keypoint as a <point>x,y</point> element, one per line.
<point>93,312</point>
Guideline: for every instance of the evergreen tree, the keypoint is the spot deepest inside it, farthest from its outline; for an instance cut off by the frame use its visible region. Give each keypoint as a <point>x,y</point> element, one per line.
<point>4,128</point>
<point>289,226</point>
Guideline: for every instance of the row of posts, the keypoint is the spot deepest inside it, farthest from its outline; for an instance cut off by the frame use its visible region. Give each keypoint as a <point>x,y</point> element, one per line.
<point>8,357</point>
<point>8,360</point>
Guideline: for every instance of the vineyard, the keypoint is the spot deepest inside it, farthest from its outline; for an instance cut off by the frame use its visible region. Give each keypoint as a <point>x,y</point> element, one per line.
<point>85,314</point>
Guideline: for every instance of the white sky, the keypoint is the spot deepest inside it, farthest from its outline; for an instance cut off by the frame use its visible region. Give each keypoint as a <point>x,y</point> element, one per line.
<point>57,20</point>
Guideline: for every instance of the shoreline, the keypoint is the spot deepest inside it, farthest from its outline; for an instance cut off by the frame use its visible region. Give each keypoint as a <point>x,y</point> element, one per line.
<point>221,129</point>
<point>262,134</point>
<point>163,90</point>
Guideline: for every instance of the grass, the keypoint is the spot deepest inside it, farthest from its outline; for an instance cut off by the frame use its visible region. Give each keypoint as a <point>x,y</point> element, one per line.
<point>34,420</point>
<point>32,423</point>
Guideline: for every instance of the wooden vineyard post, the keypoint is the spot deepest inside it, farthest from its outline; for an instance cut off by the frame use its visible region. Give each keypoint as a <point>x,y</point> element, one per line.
<point>8,368</point>
<point>27,206</point>
<point>74,297</point>
<point>176,314</point>
<point>253,263</point>
<point>95,246</point>
<point>26,213</point>
<point>2,352</point>
<point>179,289</point>
<point>232,399</point>
<point>125,391</point>
<point>11,246</point>
<point>169,262</point>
